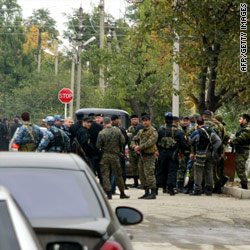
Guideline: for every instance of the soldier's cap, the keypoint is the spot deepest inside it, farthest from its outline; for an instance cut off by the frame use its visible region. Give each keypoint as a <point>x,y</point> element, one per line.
<point>87,119</point>
<point>100,114</point>
<point>220,119</point>
<point>133,116</point>
<point>114,117</point>
<point>196,115</point>
<point>79,115</point>
<point>59,118</point>
<point>145,117</point>
<point>207,112</point>
<point>185,117</point>
<point>50,120</point>
<point>91,114</point>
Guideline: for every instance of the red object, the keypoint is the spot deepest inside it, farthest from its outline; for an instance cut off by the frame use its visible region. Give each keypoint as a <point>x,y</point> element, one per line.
<point>230,165</point>
<point>111,245</point>
<point>65,95</point>
<point>14,145</point>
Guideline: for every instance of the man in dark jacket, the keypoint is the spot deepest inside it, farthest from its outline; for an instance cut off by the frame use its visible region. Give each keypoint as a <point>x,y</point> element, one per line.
<point>94,130</point>
<point>171,142</point>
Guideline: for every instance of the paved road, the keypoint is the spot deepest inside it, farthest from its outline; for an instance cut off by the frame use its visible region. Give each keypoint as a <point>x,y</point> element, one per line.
<point>187,222</point>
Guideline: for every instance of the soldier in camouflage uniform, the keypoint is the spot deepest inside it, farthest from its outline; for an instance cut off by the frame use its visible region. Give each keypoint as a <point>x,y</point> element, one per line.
<point>54,139</point>
<point>28,135</point>
<point>111,141</point>
<point>144,144</point>
<point>183,126</point>
<point>241,143</point>
<point>133,157</point>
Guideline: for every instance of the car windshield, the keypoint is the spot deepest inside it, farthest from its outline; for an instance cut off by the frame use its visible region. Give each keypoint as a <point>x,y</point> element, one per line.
<point>45,193</point>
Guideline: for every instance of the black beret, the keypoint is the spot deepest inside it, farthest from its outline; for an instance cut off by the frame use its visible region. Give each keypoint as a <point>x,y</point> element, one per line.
<point>86,119</point>
<point>133,116</point>
<point>79,115</point>
<point>91,114</point>
<point>99,114</point>
<point>114,117</point>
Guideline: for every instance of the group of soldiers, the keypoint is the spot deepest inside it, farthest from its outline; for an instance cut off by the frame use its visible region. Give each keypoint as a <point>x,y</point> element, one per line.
<point>187,154</point>
<point>183,155</point>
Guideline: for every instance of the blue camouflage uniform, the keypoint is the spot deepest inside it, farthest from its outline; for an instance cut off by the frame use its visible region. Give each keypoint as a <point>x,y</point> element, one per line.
<point>52,143</point>
<point>27,135</point>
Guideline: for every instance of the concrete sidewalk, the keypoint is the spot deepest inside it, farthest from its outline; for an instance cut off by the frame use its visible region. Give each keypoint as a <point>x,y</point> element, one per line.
<point>233,189</point>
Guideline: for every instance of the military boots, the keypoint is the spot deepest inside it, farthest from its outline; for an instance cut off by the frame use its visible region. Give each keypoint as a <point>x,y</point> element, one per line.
<point>124,196</point>
<point>146,194</point>
<point>152,195</point>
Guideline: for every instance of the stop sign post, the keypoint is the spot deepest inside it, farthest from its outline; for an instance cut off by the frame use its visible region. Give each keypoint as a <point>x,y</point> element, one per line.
<point>65,96</point>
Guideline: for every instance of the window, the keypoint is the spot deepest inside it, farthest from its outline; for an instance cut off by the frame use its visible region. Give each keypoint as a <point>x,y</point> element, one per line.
<point>45,193</point>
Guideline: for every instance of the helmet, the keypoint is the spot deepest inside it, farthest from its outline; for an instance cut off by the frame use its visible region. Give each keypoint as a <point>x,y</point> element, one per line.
<point>168,114</point>
<point>50,120</point>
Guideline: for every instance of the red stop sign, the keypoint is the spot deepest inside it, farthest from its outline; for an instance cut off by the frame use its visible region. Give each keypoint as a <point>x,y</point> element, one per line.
<point>65,95</point>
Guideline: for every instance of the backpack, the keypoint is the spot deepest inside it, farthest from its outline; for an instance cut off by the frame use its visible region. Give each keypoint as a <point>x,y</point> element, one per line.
<point>168,142</point>
<point>30,146</point>
<point>58,140</point>
<point>202,146</point>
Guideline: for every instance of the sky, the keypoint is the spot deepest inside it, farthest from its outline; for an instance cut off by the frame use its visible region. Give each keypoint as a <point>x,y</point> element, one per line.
<point>57,7</point>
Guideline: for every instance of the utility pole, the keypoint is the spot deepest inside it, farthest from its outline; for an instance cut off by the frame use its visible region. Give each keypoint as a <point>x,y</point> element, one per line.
<point>101,72</point>
<point>72,80</point>
<point>176,74</point>
<point>56,58</point>
<point>79,51</point>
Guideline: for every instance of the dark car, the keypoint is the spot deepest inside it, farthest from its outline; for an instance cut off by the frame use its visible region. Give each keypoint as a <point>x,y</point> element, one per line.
<point>125,121</point>
<point>66,206</point>
<point>16,232</point>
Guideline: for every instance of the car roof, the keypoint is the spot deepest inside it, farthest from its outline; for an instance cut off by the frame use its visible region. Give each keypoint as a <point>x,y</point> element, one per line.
<point>42,160</point>
<point>103,111</point>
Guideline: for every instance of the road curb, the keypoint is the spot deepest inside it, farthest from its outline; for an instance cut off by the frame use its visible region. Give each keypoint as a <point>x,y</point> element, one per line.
<point>236,192</point>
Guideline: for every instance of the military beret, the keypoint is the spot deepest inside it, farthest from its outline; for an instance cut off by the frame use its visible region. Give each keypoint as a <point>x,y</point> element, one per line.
<point>79,115</point>
<point>87,119</point>
<point>114,117</point>
<point>133,116</point>
<point>100,114</point>
<point>91,114</point>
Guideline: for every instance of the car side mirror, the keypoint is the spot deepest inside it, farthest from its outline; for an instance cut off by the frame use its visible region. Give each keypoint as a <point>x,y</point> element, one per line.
<point>128,215</point>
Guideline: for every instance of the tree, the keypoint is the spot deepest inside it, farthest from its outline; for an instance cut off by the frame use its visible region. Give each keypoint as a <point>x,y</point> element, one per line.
<point>209,35</point>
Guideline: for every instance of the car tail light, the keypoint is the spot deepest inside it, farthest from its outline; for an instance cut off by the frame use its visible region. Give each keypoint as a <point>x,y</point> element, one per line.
<point>111,245</point>
<point>15,146</point>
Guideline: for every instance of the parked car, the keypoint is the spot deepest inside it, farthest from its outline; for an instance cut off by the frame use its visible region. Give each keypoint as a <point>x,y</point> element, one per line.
<point>125,121</point>
<point>66,206</point>
<point>15,230</point>
<point>13,147</point>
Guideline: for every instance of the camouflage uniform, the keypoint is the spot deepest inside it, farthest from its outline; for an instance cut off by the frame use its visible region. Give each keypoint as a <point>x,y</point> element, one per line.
<point>133,157</point>
<point>49,142</point>
<point>28,137</point>
<point>111,141</point>
<point>146,140</point>
<point>241,143</point>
